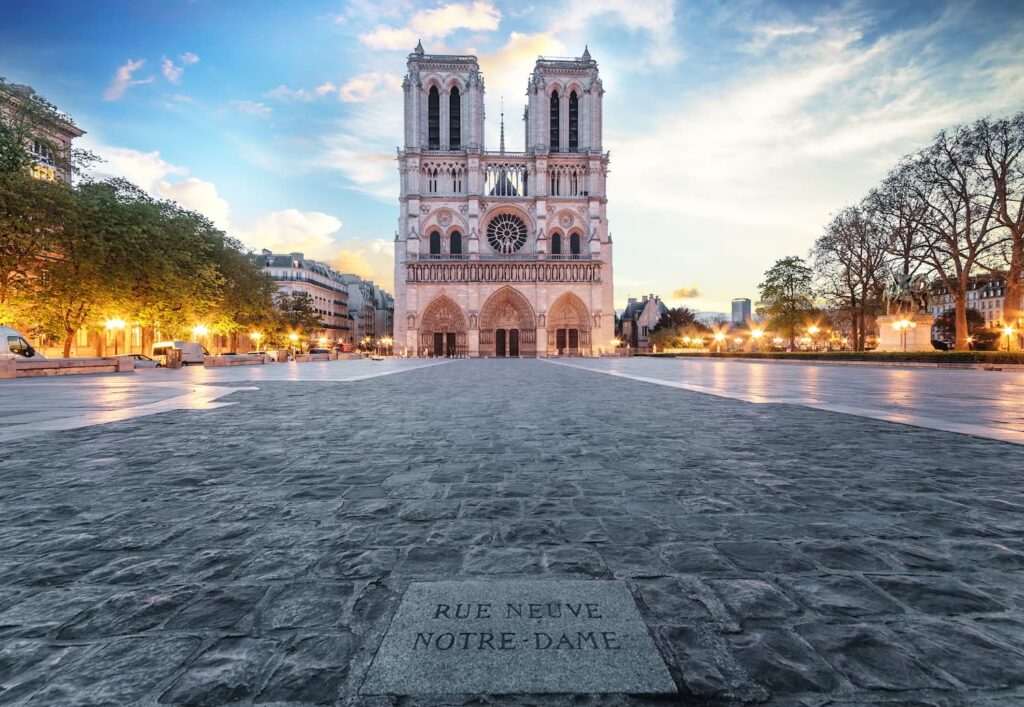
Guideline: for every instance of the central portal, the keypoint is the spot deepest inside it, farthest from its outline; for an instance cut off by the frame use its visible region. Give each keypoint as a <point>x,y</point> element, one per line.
<point>506,343</point>
<point>508,327</point>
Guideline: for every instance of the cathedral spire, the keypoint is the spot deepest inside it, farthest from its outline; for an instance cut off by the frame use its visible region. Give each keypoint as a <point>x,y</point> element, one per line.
<point>503,125</point>
<point>419,47</point>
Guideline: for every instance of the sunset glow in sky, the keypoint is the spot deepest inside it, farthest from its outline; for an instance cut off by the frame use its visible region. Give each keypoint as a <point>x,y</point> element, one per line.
<point>735,129</point>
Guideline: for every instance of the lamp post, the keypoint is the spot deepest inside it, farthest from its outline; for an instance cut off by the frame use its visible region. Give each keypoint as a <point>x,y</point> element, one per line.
<point>813,331</point>
<point>386,342</point>
<point>902,326</point>
<point>116,326</point>
<point>756,335</point>
<point>719,338</point>
<point>256,336</point>
<point>1008,330</point>
<point>294,338</point>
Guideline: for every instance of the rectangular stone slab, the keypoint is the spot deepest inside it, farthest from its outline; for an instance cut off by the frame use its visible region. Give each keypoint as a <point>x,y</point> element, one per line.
<point>518,636</point>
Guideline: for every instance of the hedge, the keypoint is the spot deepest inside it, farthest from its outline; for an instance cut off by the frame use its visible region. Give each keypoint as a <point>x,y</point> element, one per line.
<point>990,357</point>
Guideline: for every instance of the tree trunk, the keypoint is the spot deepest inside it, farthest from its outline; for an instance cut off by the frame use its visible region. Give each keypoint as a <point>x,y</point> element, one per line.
<point>1014,291</point>
<point>69,339</point>
<point>962,331</point>
<point>855,329</point>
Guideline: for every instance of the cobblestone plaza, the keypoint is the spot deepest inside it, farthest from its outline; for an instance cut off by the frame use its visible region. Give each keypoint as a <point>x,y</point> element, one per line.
<point>256,549</point>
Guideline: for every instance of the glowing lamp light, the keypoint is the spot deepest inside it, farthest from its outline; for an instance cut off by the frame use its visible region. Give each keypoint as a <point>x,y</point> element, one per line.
<point>719,336</point>
<point>1007,330</point>
<point>812,330</point>
<point>615,343</point>
<point>256,336</point>
<point>117,324</point>
<point>323,341</point>
<point>200,330</point>
<point>756,334</point>
<point>738,340</point>
<point>293,337</point>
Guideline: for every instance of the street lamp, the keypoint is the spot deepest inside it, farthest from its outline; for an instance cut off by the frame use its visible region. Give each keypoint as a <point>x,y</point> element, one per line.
<point>901,326</point>
<point>386,342</point>
<point>322,341</point>
<point>115,325</point>
<point>756,335</point>
<point>256,336</point>
<point>1008,330</point>
<point>719,338</point>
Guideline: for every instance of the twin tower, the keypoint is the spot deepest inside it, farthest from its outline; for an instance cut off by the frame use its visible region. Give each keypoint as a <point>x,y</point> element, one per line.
<point>499,253</point>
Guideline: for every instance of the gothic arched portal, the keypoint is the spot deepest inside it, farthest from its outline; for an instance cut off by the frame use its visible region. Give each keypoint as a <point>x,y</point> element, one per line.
<point>508,326</point>
<point>568,324</point>
<point>443,329</point>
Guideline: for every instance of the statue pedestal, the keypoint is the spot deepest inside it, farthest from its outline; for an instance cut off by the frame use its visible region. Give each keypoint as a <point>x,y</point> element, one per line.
<point>905,332</point>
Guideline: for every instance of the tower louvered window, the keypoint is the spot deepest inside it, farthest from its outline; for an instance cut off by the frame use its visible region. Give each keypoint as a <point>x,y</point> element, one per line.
<point>574,122</point>
<point>454,119</point>
<point>433,119</point>
<point>555,108</point>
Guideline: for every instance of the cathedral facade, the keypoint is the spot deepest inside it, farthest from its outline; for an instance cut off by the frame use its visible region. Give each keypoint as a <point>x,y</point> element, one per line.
<point>502,253</point>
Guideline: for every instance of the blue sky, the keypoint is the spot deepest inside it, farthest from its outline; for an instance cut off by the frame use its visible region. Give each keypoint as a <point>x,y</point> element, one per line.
<point>735,128</point>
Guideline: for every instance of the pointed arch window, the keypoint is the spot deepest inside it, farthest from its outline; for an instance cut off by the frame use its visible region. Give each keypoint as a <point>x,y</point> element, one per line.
<point>574,244</point>
<point>456,243</point>
<point>574,122</point>
<point>555,108</point>
<point>435,243</point>
<point>454,119</point>
<point>556,244</point>
<point>433,119</point>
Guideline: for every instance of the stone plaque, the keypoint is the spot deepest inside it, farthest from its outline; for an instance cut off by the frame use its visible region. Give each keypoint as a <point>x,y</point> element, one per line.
<point>519,636</point>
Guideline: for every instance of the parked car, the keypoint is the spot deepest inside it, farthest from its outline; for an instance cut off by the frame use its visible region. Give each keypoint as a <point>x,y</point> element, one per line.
<point>14,345</point>
<point>319,351</point>
<point>191,352</point>
<point>142,361</point>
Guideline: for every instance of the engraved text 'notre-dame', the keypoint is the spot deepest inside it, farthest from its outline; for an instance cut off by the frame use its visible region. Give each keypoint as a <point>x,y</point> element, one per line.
<point>481,639</point>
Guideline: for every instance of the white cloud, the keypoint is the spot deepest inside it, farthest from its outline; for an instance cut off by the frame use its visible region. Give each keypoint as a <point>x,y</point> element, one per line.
<point>369,86</point>
<point>372,259</point>
<point>286,93</point>
<point>654,17</point>
<point>253,108</point>
<point>123,79</point>
<point>144,169</point>
<point>434,24</point>
<point>174,73</point>
<point>198,195</point>
<point>292,230</point>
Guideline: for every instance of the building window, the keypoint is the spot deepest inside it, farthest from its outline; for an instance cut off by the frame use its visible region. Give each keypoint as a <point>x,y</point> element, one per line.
<point>455,245</point>
<point>555,108</point>
<point>574,244</point>
<point>82,337</point>
<point>556,244</point>
<point>435,243</point>
<point>433,119</point>
<point>454,119</point>
<point>574,122</point>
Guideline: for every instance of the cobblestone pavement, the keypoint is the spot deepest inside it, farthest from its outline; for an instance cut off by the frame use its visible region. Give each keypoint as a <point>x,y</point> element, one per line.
<point>254,553</point>
<point>975,402</point>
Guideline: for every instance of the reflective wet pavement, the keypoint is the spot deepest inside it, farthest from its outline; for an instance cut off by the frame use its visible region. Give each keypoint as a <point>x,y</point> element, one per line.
<point>256,552</point>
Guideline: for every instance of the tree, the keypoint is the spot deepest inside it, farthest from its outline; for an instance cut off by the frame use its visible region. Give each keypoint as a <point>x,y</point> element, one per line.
<point>674,325</point>
<point>246,297</point>
<point>982,338</point>
<point>28,119</point>
<point>849,262</point>
<point>957,227</point>
<point>296,312</point>
<point>1000,148</point>
<point>788,290</point>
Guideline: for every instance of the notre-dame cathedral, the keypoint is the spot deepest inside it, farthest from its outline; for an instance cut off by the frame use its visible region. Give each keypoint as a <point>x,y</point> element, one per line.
<point>502,253</point>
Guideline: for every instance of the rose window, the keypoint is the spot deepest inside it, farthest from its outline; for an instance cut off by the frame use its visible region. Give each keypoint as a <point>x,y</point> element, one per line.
<point>506,233</point>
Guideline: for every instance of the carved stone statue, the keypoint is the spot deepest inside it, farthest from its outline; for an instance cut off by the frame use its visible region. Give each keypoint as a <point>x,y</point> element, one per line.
<point>905,293</point>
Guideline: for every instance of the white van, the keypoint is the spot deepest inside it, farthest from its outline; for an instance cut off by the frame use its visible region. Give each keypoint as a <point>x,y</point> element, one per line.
<point>191,352</point>
<point>13,345</point>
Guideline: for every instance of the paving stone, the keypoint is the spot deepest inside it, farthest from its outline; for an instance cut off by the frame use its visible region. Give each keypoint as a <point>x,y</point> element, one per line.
<point>228,671</point>
<point>39,613</point>
<point>753,598</point>
<point>937,595</point>
<point>217,608</point>
<point>307,606</point>
<point>964,652</point>
<point>311,670</point>
<point>869,656</point>
<point>842,556</point>
<point>502,560</point>
<point>782,663</point>
<point>432,561</point>
<point>707,666</point>
<point>128,612</point>
<point>26,666</point>
<point>765,556</point>
<point>118,673</point>
<point>674,599</point>
<point>632,561</point>
<point>840,594</point>
<point>692,557</point>
<point>354,564</point>
<point>575,560</point>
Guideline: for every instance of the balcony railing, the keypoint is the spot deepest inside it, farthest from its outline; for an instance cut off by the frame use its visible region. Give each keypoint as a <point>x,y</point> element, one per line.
<point>503,258</point>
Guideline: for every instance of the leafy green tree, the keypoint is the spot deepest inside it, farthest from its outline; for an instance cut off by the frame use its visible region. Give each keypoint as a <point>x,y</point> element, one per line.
<point>983,338</point>
<point>788,291</point>
<point>246,298</point>
<point>296,312</point>
<point>674,325</point>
